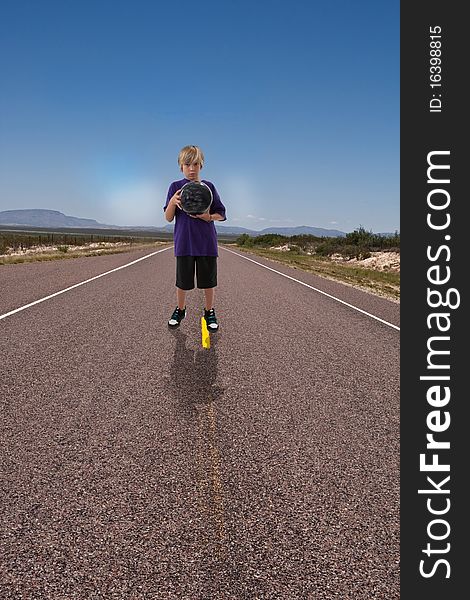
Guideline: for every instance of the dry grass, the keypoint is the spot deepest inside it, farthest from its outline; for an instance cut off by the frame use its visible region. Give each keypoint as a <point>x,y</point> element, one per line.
<point>385,283</point>
<point>48,254</point>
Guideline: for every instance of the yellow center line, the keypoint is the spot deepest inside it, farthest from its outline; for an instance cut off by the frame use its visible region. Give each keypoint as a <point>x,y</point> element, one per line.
<point>210,480</point>
<point>217,487</point>
<point>206,340</point>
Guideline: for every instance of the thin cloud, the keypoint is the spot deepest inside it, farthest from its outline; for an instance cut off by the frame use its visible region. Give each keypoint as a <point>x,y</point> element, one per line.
<point>135,204</point>
<point>256,218</point>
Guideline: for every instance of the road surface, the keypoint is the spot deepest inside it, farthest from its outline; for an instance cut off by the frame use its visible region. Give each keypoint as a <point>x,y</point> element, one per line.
<point>136,464</point>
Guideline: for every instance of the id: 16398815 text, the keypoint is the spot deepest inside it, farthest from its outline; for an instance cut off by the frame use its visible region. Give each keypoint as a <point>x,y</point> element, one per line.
<point>435,68</point>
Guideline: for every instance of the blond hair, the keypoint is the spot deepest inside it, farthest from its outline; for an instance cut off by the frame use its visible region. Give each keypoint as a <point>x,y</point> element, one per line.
<point>189,155</point>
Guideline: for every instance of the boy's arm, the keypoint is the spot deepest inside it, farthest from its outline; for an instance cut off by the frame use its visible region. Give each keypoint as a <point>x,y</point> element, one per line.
<point>217,207</point>
<point>173,204</point>
<point>209,217</point>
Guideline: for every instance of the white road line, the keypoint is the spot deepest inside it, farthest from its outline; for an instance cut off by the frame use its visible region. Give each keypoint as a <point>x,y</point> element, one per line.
<point>16,310</point>
<point>315,289</point>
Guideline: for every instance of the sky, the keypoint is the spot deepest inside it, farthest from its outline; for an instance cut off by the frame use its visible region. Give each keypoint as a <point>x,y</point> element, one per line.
<point>294,104</point>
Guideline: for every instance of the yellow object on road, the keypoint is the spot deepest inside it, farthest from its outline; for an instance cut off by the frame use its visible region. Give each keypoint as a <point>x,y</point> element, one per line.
<point>206,339</point>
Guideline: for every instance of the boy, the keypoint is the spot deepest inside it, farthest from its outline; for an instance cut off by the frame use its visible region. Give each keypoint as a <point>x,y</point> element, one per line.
<point>195,240</point>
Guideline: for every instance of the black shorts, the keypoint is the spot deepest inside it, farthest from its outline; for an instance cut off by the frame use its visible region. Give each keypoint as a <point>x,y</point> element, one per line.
<point>206,272</point>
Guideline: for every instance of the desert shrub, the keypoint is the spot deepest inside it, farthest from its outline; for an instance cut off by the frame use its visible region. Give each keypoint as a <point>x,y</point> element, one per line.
<point>328,247</point>
<point>244,240</point>
<point>357,244</point>
<point>271,239</point>
<point>306,242</point>
<point>374,242</point>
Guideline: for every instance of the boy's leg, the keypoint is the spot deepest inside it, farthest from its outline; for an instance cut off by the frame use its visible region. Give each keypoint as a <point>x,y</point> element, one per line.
<point>206,271</point>
<point>180,311</point>
<point>181,298</point>
<point>209,294</point>
<point>206,274</point>
<point>185,267</point>
<point>184,282</point>
<point>209,312</point>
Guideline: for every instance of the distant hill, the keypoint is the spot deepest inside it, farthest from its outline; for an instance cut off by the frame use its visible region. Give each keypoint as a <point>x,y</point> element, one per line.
<point>40,217</point>
<point>287,231</point>
<point>223,229</point>
<point>303,230</point>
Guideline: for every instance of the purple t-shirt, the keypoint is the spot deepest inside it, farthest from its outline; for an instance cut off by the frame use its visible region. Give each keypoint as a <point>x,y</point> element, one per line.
<point>195,237</point>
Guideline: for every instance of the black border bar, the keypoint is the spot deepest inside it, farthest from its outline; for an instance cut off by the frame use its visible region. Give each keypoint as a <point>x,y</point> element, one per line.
<point>434,398</point>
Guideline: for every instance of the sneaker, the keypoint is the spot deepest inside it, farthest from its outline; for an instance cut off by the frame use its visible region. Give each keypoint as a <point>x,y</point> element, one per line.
<point>177,316</point>
<point>211,320</point>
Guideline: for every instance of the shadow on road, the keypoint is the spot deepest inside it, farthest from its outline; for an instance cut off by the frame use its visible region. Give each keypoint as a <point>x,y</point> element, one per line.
<point>198,399</point>
<point>193,374</point>
<point>192,384</point>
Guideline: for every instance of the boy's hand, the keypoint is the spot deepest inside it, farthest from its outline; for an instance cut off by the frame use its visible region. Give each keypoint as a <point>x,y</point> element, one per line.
<point>175,200</point>
<point>204,216</point>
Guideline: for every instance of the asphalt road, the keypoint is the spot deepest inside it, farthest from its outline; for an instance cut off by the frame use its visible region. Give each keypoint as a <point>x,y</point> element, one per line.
<point>136,464</point>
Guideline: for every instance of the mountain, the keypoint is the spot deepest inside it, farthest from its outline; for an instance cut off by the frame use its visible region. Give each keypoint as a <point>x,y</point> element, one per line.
<point>53,218</point>
<point>303,230</point>
<point>223,229</point>
<point>287,231</point>
<point>40,217</point>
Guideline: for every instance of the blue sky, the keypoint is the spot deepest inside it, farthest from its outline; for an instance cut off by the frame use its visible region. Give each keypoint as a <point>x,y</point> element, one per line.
<point>295,105</point>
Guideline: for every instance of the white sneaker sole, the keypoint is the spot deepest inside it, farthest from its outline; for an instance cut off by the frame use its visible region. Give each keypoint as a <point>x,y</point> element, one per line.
<point>174,322</point>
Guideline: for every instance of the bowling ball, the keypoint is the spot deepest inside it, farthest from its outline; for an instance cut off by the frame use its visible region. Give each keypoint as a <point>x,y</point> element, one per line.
<point>196,197</point>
